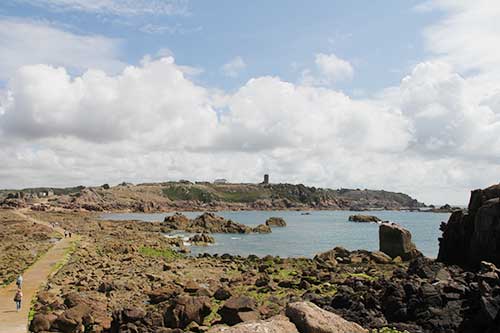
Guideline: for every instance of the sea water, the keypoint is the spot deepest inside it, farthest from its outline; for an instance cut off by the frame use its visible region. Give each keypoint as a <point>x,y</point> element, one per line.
<point>306,235</point>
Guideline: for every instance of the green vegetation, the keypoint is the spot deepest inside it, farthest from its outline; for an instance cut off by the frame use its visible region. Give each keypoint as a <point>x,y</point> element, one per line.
<point>387,330</point>
<point>187,193</point>
<point>360,276</point>
<point>167,254</point>
<point>284,274</point>
<point>240,195</point>
<point>213,316</point>
<point>32,312</point>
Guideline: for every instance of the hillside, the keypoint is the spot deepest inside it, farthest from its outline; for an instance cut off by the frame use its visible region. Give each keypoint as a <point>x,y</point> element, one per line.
<point>169,196</point>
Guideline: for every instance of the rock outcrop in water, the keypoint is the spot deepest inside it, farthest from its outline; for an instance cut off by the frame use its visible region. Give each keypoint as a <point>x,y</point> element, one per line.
<point>201,239</point>
<point>276,222</point>
<point>364,218</point>
<point>395,241</point>
<point>472,236</point>
<point>207,222</point>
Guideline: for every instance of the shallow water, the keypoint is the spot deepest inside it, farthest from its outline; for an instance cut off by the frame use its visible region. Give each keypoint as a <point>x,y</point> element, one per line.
<point>307,235</point>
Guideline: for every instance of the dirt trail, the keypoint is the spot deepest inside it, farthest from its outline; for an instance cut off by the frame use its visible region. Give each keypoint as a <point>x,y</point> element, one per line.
<point>34,277</point>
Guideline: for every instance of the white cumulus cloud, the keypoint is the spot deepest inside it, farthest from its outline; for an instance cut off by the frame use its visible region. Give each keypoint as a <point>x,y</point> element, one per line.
<point>333,67</point>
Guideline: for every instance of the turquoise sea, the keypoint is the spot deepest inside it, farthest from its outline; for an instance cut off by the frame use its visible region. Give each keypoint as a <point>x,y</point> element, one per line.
<point>307,235</point>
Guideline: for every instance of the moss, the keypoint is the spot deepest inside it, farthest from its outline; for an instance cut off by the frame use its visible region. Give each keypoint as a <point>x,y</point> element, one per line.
<point>387,330</point>
<point>284,274</point>
<point>213,316</point>
<point>359,276</point>
<point>167,254</point>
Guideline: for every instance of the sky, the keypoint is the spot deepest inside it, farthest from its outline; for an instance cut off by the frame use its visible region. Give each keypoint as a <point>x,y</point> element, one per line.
<point>395,95</point>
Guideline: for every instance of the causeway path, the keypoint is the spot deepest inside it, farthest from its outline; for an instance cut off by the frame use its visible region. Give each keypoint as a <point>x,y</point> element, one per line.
<point>34,277</point>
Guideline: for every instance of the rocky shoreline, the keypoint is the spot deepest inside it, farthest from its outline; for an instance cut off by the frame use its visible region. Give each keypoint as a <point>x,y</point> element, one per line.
<point>126,277</point>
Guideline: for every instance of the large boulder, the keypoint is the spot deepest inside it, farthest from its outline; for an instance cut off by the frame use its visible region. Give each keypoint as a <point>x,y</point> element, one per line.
<point>309,318</point>
<point>84,310</point>
<point>473,236</point>
<point>74,319</point>
<point>41,322</point>
<point>238,309</point>
<point>277,324</point>
<point>395,241</point>
<point>363,218</point>
<point>276,222</point>
<point>187,309</point>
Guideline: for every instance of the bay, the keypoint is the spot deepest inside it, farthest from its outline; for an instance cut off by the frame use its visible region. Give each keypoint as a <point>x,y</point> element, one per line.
<point>306,235</point>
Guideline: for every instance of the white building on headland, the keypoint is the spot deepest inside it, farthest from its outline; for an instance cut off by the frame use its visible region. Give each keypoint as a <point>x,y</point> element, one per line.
<point>220,181</point>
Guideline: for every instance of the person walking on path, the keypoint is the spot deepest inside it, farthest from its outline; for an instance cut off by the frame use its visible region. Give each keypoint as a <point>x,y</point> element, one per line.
<point>18,299</point>
<point>19,281</point>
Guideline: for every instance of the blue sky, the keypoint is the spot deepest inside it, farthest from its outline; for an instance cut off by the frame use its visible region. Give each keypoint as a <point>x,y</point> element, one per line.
<point>383,39</point>
<point>395,95</point>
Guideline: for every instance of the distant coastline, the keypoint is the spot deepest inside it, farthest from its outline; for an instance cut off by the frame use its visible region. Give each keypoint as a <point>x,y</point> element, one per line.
<point>205,196</point>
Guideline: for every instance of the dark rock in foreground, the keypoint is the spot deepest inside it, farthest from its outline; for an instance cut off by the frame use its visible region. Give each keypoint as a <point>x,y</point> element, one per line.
<point>238,309</point>
<point>473,236</point>
<point>364,218</point>
<point>395,241</point>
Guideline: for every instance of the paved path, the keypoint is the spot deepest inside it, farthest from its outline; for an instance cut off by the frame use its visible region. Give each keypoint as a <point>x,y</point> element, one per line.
<point>12,321</point>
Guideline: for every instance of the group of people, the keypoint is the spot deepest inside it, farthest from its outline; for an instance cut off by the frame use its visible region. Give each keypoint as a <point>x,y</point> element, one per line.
<point>18,298</point>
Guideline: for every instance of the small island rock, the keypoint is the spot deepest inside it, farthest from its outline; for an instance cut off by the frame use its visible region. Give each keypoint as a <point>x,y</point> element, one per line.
<point>276,222</point>
<point>363,218</point>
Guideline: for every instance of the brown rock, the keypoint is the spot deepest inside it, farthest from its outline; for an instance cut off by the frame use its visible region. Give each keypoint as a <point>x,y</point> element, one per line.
<point>310,318</point>
<point>277,324</point>
<point>234,309</point>
<point>262,229</point>
<point>396,241</point>
<point>202,239</point>
<point>380,257</point>
<point>177,221</point>
<point>186,309</point>
<point>363,218</point>
<point>276,222</point>
<point>40,323</point>
<point>222,294</point>
<point>72,319</point>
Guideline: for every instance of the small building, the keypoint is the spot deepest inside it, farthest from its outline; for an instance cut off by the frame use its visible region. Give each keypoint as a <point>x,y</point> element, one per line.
<point>220,181</point>
<point>266,179</point>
